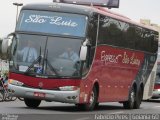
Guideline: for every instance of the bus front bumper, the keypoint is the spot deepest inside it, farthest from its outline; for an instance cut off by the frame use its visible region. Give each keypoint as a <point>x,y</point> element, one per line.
<point>156,93</point>
<point>48,95</point>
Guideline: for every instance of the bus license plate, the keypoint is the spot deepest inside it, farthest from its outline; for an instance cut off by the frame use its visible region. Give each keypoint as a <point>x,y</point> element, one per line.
<point>38,94</point>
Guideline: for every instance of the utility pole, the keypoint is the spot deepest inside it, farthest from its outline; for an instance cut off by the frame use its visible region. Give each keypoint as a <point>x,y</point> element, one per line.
<point>17,4</point>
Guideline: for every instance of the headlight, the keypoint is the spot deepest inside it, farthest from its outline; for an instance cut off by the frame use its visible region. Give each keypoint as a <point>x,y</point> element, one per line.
<point>69,88</point>
<point>15,82</point>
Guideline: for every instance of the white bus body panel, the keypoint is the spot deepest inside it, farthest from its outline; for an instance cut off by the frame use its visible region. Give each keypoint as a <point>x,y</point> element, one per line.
<point>148,88</point>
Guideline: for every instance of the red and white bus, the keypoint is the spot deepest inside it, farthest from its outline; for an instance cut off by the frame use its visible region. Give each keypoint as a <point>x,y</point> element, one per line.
<point>115,55</point>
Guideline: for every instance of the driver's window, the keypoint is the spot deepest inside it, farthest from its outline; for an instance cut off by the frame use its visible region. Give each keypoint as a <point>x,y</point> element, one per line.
<point>14,46</point>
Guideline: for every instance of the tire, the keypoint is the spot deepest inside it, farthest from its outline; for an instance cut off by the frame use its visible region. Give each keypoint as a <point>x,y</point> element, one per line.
<point>21,99</point>
<point>139,98</point>
<point>7,97</point>
<point>97,105</point>
<point>155,97</point>
<point>92,101</point>
<point>131,100</point>
<point>32,103</point>
<point>1,96</point>
<point>14,98</point>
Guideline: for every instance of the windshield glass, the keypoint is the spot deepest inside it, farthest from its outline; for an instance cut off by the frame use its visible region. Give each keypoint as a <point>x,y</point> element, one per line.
<point>48,56</point>
<point>52,23</point>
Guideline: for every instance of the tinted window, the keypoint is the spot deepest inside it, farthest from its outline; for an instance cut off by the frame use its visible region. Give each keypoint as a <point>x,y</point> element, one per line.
<point>112,32</point>
<point>117,33</point>
<point>145,40</point>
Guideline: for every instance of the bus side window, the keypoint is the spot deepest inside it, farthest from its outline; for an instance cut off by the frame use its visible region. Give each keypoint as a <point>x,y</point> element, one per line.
<point>103,35</point>
<point>110,31</point>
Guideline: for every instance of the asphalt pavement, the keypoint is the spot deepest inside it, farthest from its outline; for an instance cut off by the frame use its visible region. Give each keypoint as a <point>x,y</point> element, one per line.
<point>16,110</point>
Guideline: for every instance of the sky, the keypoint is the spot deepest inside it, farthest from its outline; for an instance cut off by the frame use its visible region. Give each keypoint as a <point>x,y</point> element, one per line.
<point>134,9</point>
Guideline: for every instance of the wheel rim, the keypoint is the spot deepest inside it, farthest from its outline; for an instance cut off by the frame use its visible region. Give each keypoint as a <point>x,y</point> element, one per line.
<point>132,97</point>
<point>91,100</point>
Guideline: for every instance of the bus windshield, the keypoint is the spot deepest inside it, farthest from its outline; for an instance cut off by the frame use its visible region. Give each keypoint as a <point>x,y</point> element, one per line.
<point>52,23</point>
<point>44,55</point>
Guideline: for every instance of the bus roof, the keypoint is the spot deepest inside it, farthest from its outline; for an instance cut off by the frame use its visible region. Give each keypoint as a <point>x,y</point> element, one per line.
<point>82,9</point>
<point>121,17</point>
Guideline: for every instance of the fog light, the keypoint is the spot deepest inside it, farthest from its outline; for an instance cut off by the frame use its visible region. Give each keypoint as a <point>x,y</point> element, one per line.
<point>15,82</point>
<point>69,88</point>
<point>74,97</point>
<point>69,97</point>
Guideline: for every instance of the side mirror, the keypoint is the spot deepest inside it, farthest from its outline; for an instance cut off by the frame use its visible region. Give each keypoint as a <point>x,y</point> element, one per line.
<point>84,50</point>
<point>83,53</point>
<point>6,43</point>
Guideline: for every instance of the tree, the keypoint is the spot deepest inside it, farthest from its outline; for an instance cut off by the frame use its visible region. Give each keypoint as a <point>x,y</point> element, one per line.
<point>2,56</point>
<point>0,48</point>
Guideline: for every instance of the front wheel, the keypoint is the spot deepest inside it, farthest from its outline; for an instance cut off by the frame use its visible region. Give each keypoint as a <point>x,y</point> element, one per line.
<point>131,100</point>
<point>92,101</point>
<point>32,103</point>
<point>1,96</point>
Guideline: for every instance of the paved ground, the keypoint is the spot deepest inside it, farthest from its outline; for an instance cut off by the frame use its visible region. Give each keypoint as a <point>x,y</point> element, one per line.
<point>16,110</point>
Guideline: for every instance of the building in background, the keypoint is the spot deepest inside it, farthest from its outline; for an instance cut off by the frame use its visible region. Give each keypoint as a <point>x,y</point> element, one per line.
<point>149,23</point>
<point>145,21</point>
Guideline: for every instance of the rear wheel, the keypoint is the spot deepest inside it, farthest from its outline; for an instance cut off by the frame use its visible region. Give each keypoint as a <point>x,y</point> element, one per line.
<point>92,101</point>
<point>131,100</point>
<point>32,103</point>
<point>139,98</point>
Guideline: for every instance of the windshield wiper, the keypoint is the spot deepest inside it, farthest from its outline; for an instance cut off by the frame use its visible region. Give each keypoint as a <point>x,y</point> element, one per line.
<point>34,62</point>
<point>44,60</point>
<point>49,64</point>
